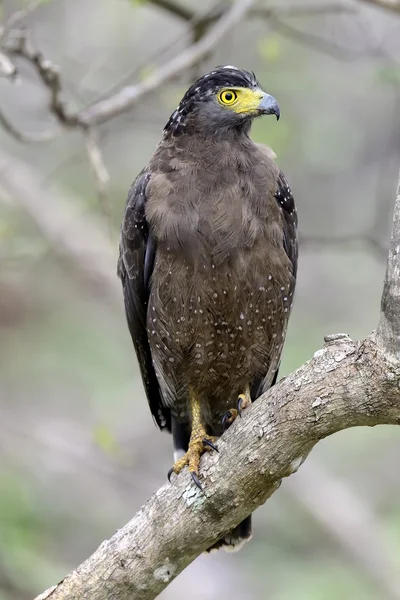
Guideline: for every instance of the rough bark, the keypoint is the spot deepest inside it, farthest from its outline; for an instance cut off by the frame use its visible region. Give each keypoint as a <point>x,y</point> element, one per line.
<point>345,384</point>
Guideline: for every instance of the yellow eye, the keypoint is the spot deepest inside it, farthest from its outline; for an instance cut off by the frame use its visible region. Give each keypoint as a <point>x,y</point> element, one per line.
<point>227,97</point>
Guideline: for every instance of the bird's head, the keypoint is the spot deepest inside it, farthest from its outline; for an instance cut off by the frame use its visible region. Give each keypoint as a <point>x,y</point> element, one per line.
<point>226,99</point>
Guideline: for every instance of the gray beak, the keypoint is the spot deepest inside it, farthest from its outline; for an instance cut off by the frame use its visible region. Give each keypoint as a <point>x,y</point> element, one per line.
<point>269,106</point>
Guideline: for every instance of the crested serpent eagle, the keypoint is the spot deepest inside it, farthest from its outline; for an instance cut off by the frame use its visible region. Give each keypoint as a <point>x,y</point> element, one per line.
<point>208,259</point>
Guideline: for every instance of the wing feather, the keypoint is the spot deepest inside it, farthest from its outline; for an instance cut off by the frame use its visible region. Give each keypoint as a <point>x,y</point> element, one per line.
<point>284,197</point>
<point>137,251</point>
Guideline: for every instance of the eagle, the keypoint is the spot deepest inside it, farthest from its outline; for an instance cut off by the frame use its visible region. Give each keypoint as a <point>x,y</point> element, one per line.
<point>208,260</point>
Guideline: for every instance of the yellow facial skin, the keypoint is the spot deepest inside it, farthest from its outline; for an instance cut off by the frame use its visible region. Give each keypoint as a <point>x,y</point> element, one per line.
<point>240,100</point>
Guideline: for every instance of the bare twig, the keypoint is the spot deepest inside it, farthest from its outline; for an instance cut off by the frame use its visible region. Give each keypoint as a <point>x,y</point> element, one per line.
<point>295,10</point>
<point>129,96</point>
<point>7,68</point>
<point>16,17</point>
<point>208,30</point>
<point>49,75</point>
<point>175,9</point>
<point>28,138</point>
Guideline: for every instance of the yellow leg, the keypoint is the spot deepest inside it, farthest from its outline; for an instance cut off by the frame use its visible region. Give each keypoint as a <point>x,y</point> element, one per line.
<point>244,400</point>
<point>199,442</point>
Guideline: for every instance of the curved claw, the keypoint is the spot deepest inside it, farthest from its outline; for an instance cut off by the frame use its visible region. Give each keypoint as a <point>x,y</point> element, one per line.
<point>226,420</point>
<point>239,405</point>
<point>170,473</point>
<point>196,480</point>
<point>209,443</point>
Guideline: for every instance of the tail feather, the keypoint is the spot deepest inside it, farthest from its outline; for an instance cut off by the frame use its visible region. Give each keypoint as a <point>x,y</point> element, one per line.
<point>235,539</point>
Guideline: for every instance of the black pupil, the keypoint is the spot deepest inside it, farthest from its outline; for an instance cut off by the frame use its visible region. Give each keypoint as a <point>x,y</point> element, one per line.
<point>228,96</point>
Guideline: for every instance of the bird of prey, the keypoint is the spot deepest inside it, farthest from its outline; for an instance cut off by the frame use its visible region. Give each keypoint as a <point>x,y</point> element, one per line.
<point>208,260</point>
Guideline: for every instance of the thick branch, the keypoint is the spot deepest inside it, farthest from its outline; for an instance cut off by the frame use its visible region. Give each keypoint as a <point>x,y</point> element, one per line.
<point>346,384</point>
<point>388,333</point>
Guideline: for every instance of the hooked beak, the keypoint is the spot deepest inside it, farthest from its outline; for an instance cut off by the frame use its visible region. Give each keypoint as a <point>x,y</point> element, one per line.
<point>269,106</point>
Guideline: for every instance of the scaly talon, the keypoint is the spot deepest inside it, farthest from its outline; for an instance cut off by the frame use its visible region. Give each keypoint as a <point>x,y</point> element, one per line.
<point>197,447</point>
<point>199,443</point>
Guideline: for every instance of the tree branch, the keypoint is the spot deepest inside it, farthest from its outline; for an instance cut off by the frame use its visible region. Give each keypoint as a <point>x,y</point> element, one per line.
<point>49,75</point>
<point>130,95</point>
<point>16,17</point>
<point>218,23</point>
<point>346,384</point>
<point>24,137</point>
<point>388,332</point>
<point>178,10</point>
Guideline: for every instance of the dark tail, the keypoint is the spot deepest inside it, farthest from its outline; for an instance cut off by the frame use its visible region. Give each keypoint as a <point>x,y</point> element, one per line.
<point>234,540</point>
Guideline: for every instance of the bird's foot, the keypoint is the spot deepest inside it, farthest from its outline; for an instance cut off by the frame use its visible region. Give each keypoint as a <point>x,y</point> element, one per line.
<point>199,443</point>
<point>243,402</point>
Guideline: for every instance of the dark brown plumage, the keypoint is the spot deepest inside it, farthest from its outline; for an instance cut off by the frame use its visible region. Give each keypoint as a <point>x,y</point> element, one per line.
<point>208,259</point>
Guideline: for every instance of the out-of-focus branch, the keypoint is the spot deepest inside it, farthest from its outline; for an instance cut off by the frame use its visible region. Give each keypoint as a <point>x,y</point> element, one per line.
<point>49,75</point>
<point>27,138</point>
<point>126,98</point>
<point>16,17</point>
<point>7,68</point>
<point>175,9</point>
<point>208,31</point>
<point>350,522</point>
<point>391,5</point>
<point>295,10</point>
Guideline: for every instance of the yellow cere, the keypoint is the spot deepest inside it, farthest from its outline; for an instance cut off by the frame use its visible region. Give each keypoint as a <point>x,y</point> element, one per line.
<point>240,100</point>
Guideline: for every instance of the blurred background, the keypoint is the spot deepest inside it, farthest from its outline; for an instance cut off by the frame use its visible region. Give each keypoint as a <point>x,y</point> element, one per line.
<point>79,452</point>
